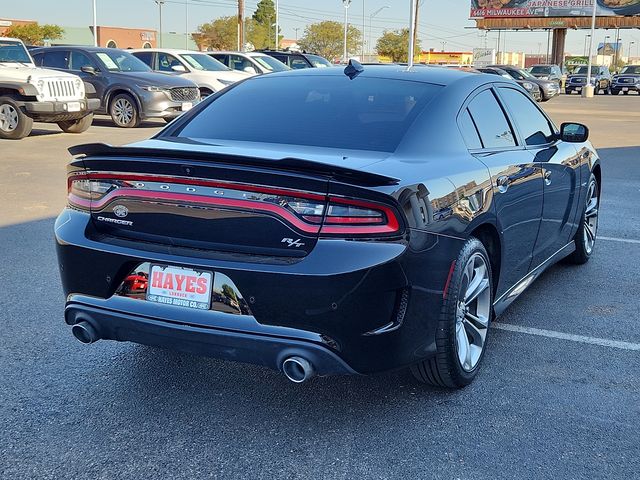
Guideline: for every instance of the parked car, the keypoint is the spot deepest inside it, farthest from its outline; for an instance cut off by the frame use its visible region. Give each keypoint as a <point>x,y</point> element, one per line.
<point>549,72</point>
<point>206,72</point>
<point>408,209</point>
<point>600,79</point>
<point>129,91</point>
<point>628,80</point>
<point>548,89</point>
<point>532,88</point>
<point>29,93</point>
<point>250,62</point>
<point>298,60</point>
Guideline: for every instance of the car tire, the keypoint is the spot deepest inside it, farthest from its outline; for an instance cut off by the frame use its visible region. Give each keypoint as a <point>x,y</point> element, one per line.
<point>461,335</point>
<point>14,123</point>
<point>124,111</point>
<point>587,233</point>
<point>76,126</point>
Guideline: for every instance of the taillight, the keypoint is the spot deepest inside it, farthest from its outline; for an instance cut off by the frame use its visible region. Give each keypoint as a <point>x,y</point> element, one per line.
<point>82,191</point>
<point>357,217</point>
<point>309,212</point>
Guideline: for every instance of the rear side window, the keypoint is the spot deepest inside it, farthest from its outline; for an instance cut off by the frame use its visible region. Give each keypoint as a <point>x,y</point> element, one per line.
<point>532,124</point>
<point>323,111</point>
<point>298,63</point>
<point>469,131</point>
<point>491,122</point>
<point>56,59</point>
<point>146,57</point>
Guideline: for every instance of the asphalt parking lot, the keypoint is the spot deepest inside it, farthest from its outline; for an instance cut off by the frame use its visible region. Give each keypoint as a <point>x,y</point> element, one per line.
<point>558,396</point>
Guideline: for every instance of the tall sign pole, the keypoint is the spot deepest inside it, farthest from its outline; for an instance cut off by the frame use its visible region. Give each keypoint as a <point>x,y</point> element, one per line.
<point>345,55</point>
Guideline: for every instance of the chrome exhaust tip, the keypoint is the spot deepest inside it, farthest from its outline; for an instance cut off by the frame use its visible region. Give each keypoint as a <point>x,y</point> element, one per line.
<point>85,332</point>
<point>297,369</point>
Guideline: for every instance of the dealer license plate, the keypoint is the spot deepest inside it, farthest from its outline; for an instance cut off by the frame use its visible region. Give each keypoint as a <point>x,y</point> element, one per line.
<point>73,107</point>
<point>187,106</point>
<point>181,287</point>
<point>625,89</point>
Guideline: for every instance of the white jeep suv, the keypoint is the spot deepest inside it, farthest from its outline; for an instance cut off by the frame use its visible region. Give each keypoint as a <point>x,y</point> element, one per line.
<point>29,93</point>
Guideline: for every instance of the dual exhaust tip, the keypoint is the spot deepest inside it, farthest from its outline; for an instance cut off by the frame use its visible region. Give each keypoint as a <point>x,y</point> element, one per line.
<point>296,369</point>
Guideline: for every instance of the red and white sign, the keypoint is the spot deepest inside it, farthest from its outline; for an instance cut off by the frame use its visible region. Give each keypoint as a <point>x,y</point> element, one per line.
<point>180,287</point>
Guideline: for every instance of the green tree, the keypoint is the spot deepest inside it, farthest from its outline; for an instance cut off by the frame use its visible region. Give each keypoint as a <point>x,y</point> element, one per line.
<point>220,34</point>
<point>327,39</point>
<point>265,13</point>
<point>229,292</point>
<point>34,34</point>
<point>258,35</point>
<point>395,45</point>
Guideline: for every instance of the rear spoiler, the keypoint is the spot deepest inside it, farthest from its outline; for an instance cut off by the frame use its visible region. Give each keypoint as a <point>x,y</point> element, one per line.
<point>297,165</point>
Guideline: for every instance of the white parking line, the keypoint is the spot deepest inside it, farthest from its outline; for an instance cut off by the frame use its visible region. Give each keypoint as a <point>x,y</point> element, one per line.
<point>621,240</point>
<point>603,342</point>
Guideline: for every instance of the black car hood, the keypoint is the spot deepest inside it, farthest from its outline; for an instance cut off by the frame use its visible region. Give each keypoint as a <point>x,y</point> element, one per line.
<point>153,78</point>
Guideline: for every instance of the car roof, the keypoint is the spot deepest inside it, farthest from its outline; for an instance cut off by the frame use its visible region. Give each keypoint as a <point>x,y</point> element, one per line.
<point>438,76</point>
<point>231,52</point>
<point>175,51</point>
<point>86,48</point>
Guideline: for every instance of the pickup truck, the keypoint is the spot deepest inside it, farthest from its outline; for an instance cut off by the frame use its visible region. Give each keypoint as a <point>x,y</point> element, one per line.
<point>29,93</point>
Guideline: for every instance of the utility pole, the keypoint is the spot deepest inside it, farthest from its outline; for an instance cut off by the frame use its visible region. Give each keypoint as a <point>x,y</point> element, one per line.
<point>95,25</point>
<point>415,23</point>
<point>186,24</point>
<point>241,41</point>
<point>160,4</point>
<point>296,29</point>
<point>364,22</point>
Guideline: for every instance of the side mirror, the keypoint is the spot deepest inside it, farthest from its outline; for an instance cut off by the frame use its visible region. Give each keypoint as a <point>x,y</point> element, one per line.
<point>574,132</point>
<point>250,70</point>
<point>89,70</point>
<point>179,68</point>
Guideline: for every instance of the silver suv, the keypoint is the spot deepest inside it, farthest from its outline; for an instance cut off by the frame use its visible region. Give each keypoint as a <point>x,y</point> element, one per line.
<point>130,92</point>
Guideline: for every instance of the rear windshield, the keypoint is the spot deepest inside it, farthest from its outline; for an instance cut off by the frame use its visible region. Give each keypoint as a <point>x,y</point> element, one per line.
<point>323,111</point>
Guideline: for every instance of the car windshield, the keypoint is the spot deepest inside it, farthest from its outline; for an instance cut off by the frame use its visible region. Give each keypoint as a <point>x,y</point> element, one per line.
<point>519,74</point>
<point>322,111</point>
<point>631,70</point>
<point>200,61</point>
<point>13,52</point>
<point>584,70</point>
<point>541,70</point>
<point>318,61</point>
<point>119,61</point>
<point>270,63</point>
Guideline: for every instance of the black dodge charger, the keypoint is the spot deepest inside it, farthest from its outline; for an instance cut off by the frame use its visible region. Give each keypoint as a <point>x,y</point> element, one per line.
<point>329,222</point>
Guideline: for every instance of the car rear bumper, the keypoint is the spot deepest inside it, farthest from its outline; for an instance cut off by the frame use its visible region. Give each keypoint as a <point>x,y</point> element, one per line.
<point>265,350</point>
<point>374,306</point>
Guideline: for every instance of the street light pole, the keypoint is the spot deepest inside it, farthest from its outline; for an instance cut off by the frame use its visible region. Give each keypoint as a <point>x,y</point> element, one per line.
<point>160,4</point>
<point>347,4</point>
<point>277,24</point>
<point>370,28</point>
<point>186,24</point>
<point>95,25</point>
<point>631,44</point>
<point>413,5</point>
<point>587,91</point>
<point>585,44</point>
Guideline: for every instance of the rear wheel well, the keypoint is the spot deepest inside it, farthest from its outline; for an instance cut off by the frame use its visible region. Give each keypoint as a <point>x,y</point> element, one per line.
<point>488,235</point>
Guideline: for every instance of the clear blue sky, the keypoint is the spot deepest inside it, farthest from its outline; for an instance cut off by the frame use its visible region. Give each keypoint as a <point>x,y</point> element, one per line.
<point>440,20</point>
